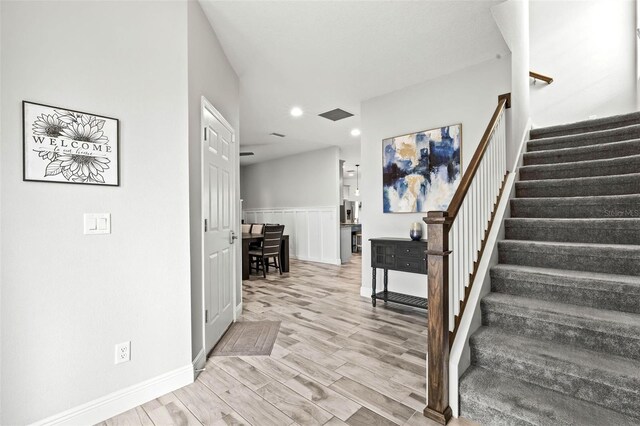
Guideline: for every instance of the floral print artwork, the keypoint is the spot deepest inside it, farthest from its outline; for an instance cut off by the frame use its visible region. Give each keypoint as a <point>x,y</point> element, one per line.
<point>75,147</point>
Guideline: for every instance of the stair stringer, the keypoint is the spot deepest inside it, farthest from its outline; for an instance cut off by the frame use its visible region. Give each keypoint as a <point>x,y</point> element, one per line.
<point>460,353</point>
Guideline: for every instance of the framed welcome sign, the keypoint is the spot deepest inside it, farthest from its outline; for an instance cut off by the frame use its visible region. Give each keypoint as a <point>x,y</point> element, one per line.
<point>67,146</point>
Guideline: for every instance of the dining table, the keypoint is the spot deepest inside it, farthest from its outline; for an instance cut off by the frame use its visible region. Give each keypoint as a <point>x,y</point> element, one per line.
<point>255,238</point>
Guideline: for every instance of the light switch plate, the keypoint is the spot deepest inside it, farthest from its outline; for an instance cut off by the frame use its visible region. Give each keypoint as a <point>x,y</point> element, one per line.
<point>97,223</point>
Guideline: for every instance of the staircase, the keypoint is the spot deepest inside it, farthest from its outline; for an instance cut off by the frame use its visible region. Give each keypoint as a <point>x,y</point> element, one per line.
<point>560,336</point>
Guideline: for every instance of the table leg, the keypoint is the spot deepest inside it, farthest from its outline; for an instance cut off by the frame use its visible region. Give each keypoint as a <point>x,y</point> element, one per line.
<point>386,281</point>
<point>245,259</point>
<point>284,254</point>
<point>373,287</point>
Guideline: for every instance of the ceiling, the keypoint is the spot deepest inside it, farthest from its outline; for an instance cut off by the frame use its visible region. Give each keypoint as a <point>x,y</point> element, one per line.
<point>321,55</point>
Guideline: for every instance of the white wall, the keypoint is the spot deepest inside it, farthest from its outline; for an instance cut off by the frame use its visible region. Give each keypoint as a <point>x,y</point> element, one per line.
<point>211,76</point>
<point>303,180</point>
<point>589,49</point>
<point>469,97</point>
<point>512,17</point>
<point>67,298</point>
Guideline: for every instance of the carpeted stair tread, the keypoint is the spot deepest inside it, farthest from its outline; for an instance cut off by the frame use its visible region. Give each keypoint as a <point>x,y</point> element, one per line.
<point>579,187</point>
<point>606,380</point>
<point>607,258</point>
<point>495,399</point>
<point>576,230</point>
<point>592,289</point>
<point>574,207</point>
<point>601,330</point>
<point>560,337</point>
<point>583,153</point>
<point>585,139</point>
<point>586,126</point>
<point>588,168</point>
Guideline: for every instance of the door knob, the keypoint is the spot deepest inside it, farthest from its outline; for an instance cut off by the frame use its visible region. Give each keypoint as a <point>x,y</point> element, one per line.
<point>232,237</point>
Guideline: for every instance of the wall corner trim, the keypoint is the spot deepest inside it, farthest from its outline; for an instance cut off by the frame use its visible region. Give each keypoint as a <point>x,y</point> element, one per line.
<point>365,292</point>
<point>198,363</point>
<point>238,311</point>
<point>100,409</point>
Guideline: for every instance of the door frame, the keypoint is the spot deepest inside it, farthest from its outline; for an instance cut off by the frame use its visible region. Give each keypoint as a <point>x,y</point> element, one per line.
<point>208,106</point>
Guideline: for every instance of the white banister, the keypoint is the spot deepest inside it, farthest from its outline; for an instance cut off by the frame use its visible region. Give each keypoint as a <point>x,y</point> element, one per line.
<point>473,219</point>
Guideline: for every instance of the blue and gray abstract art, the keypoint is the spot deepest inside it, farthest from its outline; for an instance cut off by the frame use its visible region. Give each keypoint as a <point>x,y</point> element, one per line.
<point>421,171</point>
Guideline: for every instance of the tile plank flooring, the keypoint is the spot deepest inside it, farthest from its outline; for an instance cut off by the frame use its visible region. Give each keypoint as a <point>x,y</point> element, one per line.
<point>336,361</point>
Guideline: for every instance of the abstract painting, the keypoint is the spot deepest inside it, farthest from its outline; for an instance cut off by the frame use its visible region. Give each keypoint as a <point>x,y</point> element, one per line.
<point>421,171</point>
<point>67,146</point>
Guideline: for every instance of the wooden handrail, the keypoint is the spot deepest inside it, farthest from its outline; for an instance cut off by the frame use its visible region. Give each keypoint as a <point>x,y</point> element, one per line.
<point>439,225</point>
<point>541,77</point>
<point>467,178</point>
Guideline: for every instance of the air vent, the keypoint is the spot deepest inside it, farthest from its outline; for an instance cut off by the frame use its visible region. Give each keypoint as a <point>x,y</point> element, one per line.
<point>280,135</point>
<point>336,114</point>
<point>246,154</point>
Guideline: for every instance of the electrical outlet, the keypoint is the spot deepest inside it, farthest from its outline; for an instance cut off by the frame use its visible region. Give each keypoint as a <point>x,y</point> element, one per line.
<point>123,352</point>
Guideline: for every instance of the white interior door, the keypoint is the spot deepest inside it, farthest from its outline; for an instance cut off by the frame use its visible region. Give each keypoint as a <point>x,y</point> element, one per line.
<point>218,213</point>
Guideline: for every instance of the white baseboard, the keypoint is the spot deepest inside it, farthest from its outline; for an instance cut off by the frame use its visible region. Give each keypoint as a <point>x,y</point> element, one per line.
<point>337,262</point>
<point>199,362</point>
<point>239,310</point>
<point>103,408</point>
<point>365,292</point>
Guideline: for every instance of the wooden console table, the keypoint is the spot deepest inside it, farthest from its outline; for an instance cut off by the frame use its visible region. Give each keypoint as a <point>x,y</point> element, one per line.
<point>397,254</point>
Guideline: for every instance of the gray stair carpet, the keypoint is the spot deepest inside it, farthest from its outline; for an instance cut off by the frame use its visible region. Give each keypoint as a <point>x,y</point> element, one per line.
<point>604,167</point>
<point>560,336</point>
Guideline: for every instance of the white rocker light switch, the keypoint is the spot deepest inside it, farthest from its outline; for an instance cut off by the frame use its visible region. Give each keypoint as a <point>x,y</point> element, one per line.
<point>97,223</point>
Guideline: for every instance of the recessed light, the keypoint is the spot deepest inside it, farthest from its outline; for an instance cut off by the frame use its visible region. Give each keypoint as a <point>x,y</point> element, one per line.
<point>296,111</point>
<point>355,132</point>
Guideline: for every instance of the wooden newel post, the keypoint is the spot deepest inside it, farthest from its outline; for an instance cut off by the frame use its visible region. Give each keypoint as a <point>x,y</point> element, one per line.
<point>438,409</point>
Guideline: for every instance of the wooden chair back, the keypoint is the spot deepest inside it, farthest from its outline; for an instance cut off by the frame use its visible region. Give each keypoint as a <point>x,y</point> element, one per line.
<point>272,240</point>
<point>246,228</point>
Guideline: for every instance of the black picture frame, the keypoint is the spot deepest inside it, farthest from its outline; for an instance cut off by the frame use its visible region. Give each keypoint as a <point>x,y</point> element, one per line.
<point>92,136</point>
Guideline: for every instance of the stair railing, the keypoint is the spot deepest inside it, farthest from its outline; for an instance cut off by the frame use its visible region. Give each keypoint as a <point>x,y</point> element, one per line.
<point>537,76</point>
<point>456,240</point>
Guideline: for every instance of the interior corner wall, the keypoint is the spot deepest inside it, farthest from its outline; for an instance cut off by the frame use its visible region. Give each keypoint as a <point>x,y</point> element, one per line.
<point>309,179</point>
<point>69,298</point>
<point>211,76</point>
<point>470,97</point>
<point>512,18</point>
<point>589,48</point>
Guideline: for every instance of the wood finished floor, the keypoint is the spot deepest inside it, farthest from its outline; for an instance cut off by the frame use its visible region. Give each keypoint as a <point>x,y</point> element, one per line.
<point>336,361</point>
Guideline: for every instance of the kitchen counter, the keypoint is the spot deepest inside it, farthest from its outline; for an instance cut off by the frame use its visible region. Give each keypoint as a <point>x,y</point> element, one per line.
<point>346,239</point>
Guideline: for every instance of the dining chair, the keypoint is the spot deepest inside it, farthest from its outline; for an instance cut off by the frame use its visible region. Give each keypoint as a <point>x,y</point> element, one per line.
<point>246,228</point>
<point>256,228</point>
<point>270,249</point>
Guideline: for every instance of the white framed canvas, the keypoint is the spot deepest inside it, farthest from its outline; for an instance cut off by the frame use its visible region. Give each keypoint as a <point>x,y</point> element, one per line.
<point>67,146</point>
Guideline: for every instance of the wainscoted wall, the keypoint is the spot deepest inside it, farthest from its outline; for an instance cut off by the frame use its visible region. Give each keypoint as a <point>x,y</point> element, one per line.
<point>313,231</point>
